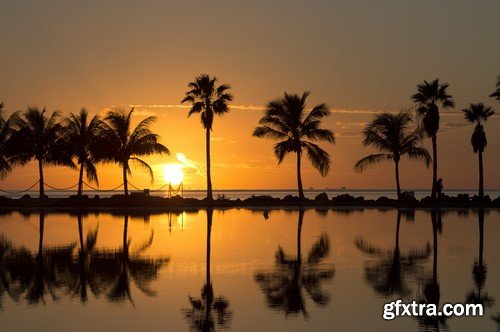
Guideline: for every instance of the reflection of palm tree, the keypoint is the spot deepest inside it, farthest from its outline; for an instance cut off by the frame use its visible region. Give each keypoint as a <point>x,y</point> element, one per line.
<point>5,246</point>
<point>474,114</point>
<point>209,100</point>
<point>427,98</point>
<point>286,120</point>
<point>117,267</point>
<point>283,285</point>
<point>479,271</point>
<point>431,290</point>
<point>389,133</point>
<point>388,275</point>
<point>124,143</point>
<point>200,315</point>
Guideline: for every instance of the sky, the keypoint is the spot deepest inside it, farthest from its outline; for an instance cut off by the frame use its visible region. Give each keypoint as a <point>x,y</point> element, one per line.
<point>359,57</point>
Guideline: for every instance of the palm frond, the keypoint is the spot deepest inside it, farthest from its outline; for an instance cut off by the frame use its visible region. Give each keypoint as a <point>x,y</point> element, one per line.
<point>369,160</point>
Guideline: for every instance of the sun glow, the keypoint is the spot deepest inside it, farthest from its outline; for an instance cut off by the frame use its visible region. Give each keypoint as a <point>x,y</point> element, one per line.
<point>173,174</point>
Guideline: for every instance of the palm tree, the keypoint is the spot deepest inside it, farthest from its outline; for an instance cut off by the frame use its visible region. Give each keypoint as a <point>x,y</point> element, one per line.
<point>427,99</point>
<point>474,114</point>
<point>5,131</point>
<point>37,136</point>
<point>209,100</point>
<point>122,144</point>
<point>83,137</point>
<point>496,94</point>
<point>283,286</point>
<point>286,120</point>
<point>390,134</point>
<point>200,315</point>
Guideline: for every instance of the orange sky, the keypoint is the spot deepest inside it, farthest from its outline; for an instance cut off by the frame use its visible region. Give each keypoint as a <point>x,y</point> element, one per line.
<point>357,59</point>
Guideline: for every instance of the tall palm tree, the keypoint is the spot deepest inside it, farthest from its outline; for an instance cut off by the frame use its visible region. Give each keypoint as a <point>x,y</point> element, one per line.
<point>83,136</point>
<point>474,114</point>
<point>122,144</point>
<point>496,94</point>
<point>5,131</point>
<point>286,120</point>
<point>427,99</point>
<point>209,100</point>
<point>38,137</point>
<point>390,134</point>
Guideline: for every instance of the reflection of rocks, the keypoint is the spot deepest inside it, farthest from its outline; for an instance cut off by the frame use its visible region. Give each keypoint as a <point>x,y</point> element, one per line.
<point>200,315</point>
<point>59,271</point>
<point>283,286</point>
<point>388,275</point>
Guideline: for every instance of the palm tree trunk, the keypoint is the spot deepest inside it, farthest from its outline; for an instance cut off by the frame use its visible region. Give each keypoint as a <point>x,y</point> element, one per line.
<point>398,186</point>
<point>125,182</point>
<point>80,232</point>
<point>434,166</point>
<point>42,192</point>
<point>125,233</point>
<point>481,185</point>
<point>41,229</point>
<point>435,246</point>
<point>209,235</point>
<point>299,236</point>
<point>480,215</point>
<point>398,223</point>
<point>299,177</point>
<point>209,176</point>
<point>80,180</point>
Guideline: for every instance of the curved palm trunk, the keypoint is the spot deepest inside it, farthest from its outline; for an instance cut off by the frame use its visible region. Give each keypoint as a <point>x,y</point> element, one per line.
<point>209,233</point>
<point>481,185</point>
<point>80,180</point>
<point>299,236</point>
<point>299,177</point>
<point>434,166</point>
<point>125,233</point>
<point>209,176</point>
<point>125,182</point>
<point>40,171</point>
<point>398,186</point>
<point>41,230</point>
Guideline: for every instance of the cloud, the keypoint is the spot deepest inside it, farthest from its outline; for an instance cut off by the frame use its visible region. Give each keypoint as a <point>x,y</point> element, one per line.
<point>451,126</point>
<point>181,157</point>
<point>215,139</point>
<point>349,133</point>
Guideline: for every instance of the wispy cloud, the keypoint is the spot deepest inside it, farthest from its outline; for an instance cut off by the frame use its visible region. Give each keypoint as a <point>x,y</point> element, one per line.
<point>191,164</point>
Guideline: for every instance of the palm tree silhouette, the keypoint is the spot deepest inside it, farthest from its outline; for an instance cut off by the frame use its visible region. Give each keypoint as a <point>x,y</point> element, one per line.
<point>117,268</point>
<point>390,134</point>
<point>427,98</point>
<point>5,246</point>
<point>122,144</point>
<point>474,114</point>
<point>37,136</point>
<point>200,315</point>
<point>479,270</point>
<point>84,136</point>
<point>388,276</point>
<point>286,120</point>
<point>496,93</point>
<point>431,289</point>
<point>209,100</point>
<point>283,285</point>
<point>5,131</point>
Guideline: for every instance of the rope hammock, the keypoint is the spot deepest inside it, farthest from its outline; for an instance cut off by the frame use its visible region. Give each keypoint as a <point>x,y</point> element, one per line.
<point>19,192</point>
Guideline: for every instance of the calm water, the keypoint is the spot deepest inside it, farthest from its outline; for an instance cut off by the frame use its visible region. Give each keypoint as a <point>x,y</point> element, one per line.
<point>245,270</point>
<point>280,193</point>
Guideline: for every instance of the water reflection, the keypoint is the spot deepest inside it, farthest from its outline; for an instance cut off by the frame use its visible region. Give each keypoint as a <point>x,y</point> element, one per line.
<point>479,270</point>
<point>59,271</point>
<point>283,285</point>
<point>200,315</point>
<point>389,274</point>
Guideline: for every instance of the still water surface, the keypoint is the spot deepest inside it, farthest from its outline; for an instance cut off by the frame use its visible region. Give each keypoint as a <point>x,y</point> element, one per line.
<point>245,270</point>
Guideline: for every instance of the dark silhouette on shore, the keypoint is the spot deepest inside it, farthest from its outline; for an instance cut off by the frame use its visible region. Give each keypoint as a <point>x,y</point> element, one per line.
<point>208,99</point>
<point>474,114</point>
<point>390,134</point>
<point>389,274</point>
<point>200,315</point>
<point>84,138</point>
<point>38,136</point>
<point>286,120</point>
<point>123,144</point>
<point>283,285</point>
<point>427,99</point>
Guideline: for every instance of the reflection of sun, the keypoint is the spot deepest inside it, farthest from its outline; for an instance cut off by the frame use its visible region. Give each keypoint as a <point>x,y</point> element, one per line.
<point>173,174</point>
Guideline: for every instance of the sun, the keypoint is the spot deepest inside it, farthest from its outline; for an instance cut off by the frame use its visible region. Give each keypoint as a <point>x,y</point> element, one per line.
<point>173,174</point>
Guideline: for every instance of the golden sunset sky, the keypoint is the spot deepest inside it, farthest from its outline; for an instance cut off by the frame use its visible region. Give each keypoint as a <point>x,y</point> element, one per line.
<point>359,57</point>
